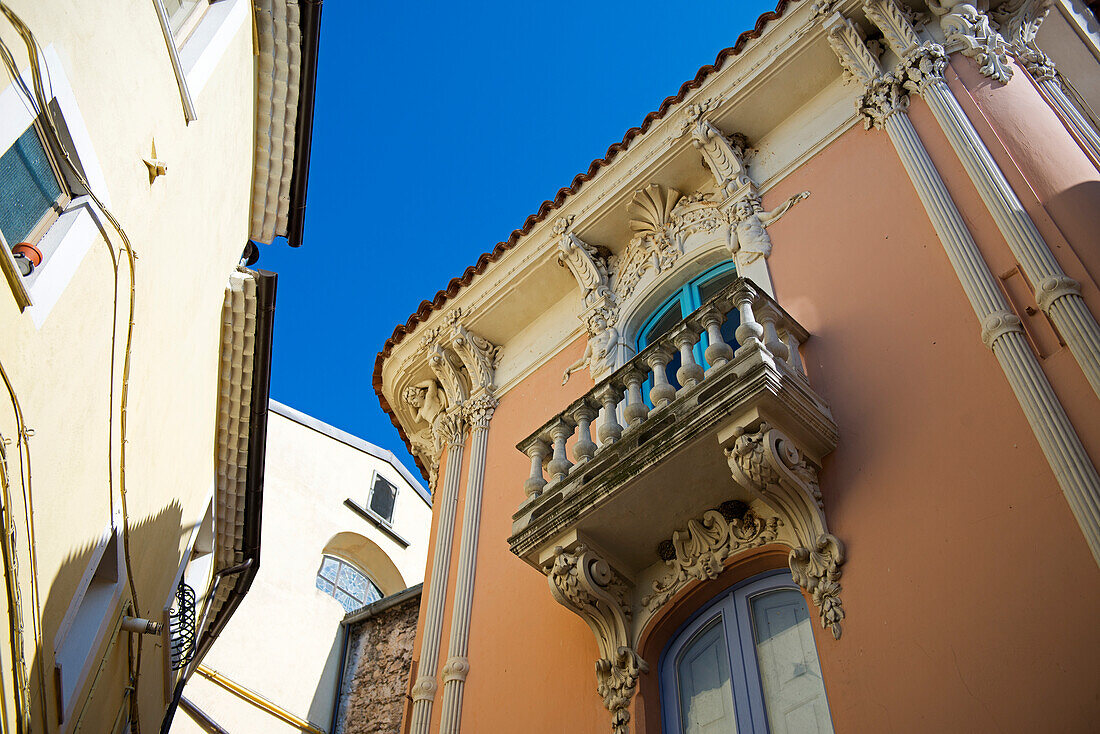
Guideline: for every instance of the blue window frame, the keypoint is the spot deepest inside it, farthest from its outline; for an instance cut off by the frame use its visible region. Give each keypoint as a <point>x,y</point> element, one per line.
<point>746,663</point>
<point>689,297</point>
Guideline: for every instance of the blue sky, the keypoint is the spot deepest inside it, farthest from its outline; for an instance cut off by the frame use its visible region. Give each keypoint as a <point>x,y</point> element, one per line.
<point>438,130</point>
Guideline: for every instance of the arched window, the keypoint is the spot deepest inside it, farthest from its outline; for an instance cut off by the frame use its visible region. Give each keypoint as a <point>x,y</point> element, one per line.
<point>689,297</point>
<point>347,584</point>
<point>748,664</point>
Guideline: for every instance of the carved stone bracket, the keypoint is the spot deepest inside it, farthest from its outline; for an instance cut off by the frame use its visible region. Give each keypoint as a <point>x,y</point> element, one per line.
<point>768,464</point>
<point>699,551</point>
<point>463,364</point>
<point>966,22</point>
<point>583,582</point>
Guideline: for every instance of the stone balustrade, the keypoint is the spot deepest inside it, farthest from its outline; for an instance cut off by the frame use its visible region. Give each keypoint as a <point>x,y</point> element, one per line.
<point>617,407</point>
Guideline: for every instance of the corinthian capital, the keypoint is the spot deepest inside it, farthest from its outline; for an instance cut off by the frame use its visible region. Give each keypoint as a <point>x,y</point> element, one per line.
<point>922,66</point>
<point>1019,22</point>
<point>884,97</point>
<point>965,22</point>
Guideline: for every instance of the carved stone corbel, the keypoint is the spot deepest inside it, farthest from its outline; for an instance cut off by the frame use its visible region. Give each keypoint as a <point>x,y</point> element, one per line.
<point>478,355</point>
<point>584,583</point>
<point>967,23</point>
<point>723,154</point>
<point>768,464</point>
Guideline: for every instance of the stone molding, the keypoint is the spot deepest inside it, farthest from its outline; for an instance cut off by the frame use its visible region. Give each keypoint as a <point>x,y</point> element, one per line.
<point>583,582</point>
<point>1072,468</point>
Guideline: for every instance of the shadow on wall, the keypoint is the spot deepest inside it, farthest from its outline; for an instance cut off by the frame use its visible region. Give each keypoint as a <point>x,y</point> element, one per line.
<point>106,673</point>
<point>1074,211</point>
<point>324,697</point>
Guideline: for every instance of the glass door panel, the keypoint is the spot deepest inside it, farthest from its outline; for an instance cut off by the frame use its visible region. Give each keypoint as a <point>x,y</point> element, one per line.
<point>794,694</point>
<point>703,679</point>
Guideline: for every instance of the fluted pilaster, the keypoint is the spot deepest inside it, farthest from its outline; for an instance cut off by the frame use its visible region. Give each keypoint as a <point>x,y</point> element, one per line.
<point>458,665</point>
<point>1001,329</point>
<point>424,690</point>
<point>921,71</point>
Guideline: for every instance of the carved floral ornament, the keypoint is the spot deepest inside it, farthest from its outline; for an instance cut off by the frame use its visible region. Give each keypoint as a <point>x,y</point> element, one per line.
<point>460,393</point>
<point>774,471</point>
<point>661,220</point>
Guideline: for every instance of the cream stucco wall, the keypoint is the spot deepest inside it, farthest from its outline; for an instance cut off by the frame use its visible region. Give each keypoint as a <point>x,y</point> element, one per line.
<point>188,229</point>
<point>284,641</point>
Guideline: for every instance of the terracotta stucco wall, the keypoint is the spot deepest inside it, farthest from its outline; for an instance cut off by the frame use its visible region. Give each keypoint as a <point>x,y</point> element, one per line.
<point>970,592</point>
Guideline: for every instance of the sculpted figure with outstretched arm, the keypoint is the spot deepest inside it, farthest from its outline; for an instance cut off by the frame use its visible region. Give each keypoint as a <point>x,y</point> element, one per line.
<point>748,232</point>
<point>599,354</point>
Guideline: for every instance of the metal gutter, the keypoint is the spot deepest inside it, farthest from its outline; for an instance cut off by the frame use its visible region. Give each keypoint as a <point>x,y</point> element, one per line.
<point>257,700</point>
<point>200,717</point>
<point>244,573</point>
<point>310,23</point>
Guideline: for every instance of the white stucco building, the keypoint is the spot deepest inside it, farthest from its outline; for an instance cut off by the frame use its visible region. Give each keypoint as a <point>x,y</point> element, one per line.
<point>344,524</point>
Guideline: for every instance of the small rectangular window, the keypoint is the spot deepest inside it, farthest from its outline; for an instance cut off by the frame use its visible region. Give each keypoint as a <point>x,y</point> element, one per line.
<point>382,498</point>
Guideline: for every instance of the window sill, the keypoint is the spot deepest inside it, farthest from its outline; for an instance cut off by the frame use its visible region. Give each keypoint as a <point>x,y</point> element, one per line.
<point>378,522</point>
<point>202,52</point>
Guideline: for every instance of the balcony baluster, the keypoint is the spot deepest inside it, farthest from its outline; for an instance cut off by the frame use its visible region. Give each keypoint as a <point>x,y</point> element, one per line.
<point>662,393</point>
<point>609,396</point>
<point>636,410</point>
<point>585,447</point>
<point>559,464</point>
<point>685,336</point>
<point>717,352</point>
<point>538,450</point>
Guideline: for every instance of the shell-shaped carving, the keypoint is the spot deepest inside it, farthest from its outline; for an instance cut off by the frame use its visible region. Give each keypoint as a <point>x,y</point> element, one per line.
<point>651,208</point>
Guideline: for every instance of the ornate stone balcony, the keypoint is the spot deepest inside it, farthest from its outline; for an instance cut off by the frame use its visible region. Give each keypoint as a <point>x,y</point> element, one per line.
<point>623,489</point>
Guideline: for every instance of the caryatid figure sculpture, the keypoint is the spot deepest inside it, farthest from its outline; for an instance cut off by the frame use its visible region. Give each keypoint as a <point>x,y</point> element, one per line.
<point>599,354</point>
<point>749,239</point>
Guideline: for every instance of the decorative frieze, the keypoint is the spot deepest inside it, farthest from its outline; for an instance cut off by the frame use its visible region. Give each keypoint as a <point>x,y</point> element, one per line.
<point>699,551</point>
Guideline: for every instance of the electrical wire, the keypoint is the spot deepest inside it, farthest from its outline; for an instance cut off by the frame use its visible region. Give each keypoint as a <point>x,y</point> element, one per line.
<point>38,100</point>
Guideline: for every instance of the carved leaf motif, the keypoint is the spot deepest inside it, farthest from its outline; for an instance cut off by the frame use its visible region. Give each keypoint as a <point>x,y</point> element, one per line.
<point>703,547</point>
<point>817,570</point>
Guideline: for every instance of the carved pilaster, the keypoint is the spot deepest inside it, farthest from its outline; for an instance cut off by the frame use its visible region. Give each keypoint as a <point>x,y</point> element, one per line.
<point>584,583</point>
<point>775,470</point>
<point>965,22</point>
<point>1062,447</point>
